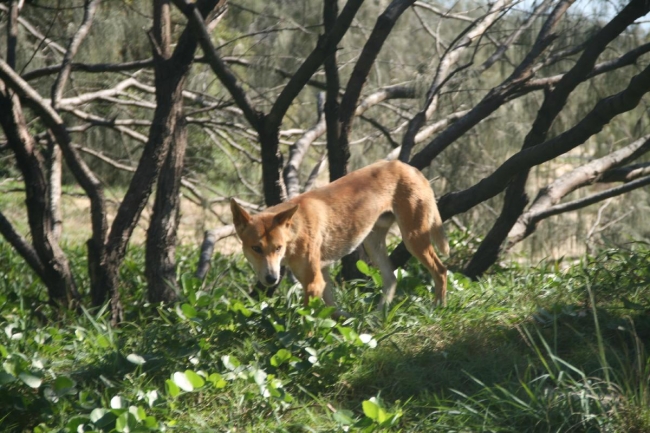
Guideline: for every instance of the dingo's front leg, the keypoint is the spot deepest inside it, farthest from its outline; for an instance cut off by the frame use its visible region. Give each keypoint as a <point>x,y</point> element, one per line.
<point>311,278</point>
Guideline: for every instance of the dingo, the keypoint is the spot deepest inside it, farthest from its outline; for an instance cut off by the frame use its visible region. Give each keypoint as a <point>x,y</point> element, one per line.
<point>314,229</point>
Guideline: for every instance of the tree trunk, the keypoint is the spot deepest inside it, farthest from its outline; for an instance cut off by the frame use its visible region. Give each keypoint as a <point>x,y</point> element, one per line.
<point>515,202</point>
<point>160,261</point>
<point>170,74</point>
<point>338,149</point>
<point>56,269</point>
<point>160,266</point>
<point>55,165</point>
<point>274,190</point>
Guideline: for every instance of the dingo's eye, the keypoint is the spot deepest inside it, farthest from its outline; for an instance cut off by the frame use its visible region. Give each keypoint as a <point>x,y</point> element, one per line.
<point>257,249</point>
<point>278,248</point>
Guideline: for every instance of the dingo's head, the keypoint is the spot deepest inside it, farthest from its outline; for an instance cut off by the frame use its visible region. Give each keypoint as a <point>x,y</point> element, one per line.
<point>264,238</point>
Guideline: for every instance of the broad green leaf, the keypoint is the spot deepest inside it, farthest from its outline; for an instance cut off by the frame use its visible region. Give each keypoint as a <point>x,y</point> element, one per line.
<point>364,268</point>
<point>63,385</point>
<point>260,377</point>
<point>50,395</point>
<point>327,323</point>
<point>194,379</point>
<point>382,416</point>
<point>98,414</point>
<point>367,339</point>
<point>101,417</point>
<point>326,312</point>
<point>313,358</point>
<point>76,423</point>
<point>230,362</point>
<point>152,396</point>
<point>190,283</point>
<point>239,307</point>
<point>202,299</point>
<point>10,367</point>
<point>126,422</point>
<point>6,378</point>
<point>138,412</point>
<point>135,359</point>
<point>188,311</point>
<point>344,417</point>
<point>172,389</point>
<point>392,419</point>
<point>280,357</point>
<point>150,422</point>
<point>217,380</point>
<point>348,333</point>
<point>30,380</point>
<point>41,428</point>
<point>371,408</point>
<point>118,402</point>
<point>87,399</point>
<point>181,380</point>
<point>103,342</point>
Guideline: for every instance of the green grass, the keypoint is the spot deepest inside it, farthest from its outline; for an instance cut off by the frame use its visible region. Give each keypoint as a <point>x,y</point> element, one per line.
<point>527,349</point>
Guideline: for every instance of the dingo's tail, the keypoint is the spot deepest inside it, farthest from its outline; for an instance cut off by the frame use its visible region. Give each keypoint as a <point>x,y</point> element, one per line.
<point>437,232</point>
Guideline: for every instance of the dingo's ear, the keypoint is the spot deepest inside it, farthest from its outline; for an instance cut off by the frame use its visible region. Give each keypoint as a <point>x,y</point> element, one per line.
<point>285,216</point>
<point>240,217</point>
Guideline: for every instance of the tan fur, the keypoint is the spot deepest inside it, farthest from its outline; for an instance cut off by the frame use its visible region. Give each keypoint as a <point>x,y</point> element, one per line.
<point>314,229</point>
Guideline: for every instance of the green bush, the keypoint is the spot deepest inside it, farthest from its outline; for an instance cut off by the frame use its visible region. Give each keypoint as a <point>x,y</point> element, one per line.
<point>526,349</point>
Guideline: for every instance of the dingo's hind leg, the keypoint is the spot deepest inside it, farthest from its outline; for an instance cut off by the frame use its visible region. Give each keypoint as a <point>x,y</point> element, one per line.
<point>414,220</point>
<point>375,247</point>
<point>328,292</point>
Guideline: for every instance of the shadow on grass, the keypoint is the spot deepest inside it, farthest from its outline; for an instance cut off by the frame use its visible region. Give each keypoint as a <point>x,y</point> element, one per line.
<point>431,364</point>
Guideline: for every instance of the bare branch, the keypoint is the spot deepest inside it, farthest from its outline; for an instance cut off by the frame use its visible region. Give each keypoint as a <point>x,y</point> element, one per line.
<point>554,101</point>
<point>51,118</point>
<point>514,36</point>
<point>384,94</point>
<point>594,198</point>
<point>516,85</point>
<point>240,176</point>
<point>92,68</point>
<point>104,158</point>
<point>373,45</point>
<point>444,72</point>
<point>629,58</point>
<point>625,174</point>
<point>38,35</point>
<point>75,43</point>
<point>22,246</point>
<point>429,130</point>
<point>442,14</point>
<point>325,46</point>
<point>604,111</point>
<point>219,67</point>
<point>577,178</point>
<point>104,93</point>
<point>232,143</point>
<point>315,172</point>
<point>118,125</point>
<point>12,32</point>
<point>298,150</point>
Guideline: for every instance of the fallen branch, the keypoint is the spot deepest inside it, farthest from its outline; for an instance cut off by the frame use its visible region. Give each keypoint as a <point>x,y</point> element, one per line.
<point>210,238</point>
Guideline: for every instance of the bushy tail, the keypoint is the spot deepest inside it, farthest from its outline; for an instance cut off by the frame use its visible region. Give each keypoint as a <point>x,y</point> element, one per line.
<point>437,232</point>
